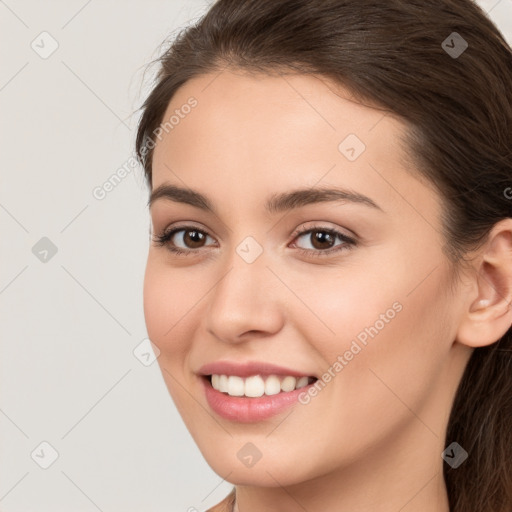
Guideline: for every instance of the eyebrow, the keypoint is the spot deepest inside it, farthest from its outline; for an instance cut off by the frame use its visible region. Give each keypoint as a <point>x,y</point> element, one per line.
<point>276,203</point>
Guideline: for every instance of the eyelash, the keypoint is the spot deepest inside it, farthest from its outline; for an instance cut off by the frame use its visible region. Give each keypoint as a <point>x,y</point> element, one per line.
<point>349,243</point>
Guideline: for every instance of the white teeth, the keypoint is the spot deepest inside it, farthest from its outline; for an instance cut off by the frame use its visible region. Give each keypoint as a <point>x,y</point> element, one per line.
<point>223,383</point>
<point>288,384</point>
<point>256,385</point>
<point>272,385</point>
<point>303,381</point>
<point>236,386</point>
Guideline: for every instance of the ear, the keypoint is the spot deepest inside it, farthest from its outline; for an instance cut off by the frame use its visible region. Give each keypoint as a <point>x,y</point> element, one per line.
<point>487,314</point>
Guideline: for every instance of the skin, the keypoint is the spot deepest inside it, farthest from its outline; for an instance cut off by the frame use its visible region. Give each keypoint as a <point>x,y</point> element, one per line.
<point>372,438</point>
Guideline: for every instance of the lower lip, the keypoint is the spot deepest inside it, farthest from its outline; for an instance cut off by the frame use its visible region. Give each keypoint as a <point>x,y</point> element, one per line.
<point>247,409</point>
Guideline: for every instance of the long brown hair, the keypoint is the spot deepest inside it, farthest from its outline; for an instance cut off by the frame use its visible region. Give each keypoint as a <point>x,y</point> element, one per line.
<point>454,91</point>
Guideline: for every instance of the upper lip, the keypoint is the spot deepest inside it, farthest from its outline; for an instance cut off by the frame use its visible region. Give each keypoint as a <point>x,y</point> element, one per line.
<point>248,368</point>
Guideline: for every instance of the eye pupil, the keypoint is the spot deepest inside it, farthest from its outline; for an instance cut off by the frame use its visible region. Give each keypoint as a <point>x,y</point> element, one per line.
<point>321,237</point>
<point>195,238</point>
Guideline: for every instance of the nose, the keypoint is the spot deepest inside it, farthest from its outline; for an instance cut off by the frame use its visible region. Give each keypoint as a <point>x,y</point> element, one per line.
<point>246,302</point>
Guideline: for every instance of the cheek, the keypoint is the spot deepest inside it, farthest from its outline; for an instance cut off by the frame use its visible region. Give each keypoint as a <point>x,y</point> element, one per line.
<point>396,309</point>
<point>166,299</point>
<point>165,310</point>
<point>343,307</point>
<point>390,339</point>
<point>404,341</point>
<point>156,302</point>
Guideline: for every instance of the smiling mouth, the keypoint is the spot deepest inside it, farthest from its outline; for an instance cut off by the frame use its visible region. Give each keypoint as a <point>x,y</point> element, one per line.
<point>256,386</point>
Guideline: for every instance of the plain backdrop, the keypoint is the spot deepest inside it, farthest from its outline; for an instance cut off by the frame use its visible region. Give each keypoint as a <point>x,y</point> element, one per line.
<point>86,422</point>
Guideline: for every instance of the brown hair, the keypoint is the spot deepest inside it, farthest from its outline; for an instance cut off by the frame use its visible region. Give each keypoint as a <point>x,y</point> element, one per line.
<point>458,109</point>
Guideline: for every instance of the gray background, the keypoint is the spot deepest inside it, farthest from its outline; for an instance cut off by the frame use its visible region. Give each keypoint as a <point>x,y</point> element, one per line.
<point>72,320</point>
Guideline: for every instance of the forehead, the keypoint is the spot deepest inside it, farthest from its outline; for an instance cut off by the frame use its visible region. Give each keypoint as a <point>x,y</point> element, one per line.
<point>232,101</point>
<point>257,133</point>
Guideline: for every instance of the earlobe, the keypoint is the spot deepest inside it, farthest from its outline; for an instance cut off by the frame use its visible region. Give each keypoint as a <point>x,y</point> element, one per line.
<point>489,316</point>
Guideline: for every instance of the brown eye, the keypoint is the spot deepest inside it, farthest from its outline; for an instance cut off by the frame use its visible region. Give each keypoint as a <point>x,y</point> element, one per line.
<point>322,241</point>
<point>193,238</point>
<point>182,240</point>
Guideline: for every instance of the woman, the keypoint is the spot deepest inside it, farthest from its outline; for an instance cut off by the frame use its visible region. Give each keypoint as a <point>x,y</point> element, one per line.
<point>330,273</point>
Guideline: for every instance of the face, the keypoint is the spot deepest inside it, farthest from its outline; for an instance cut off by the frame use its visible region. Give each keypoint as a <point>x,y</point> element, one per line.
<point>350,290</point>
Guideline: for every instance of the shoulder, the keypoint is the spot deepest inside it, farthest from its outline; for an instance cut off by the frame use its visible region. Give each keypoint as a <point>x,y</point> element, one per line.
<point>226,505</point>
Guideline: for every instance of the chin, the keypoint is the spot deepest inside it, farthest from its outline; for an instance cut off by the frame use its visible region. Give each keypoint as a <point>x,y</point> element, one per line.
<point>272,471</point>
